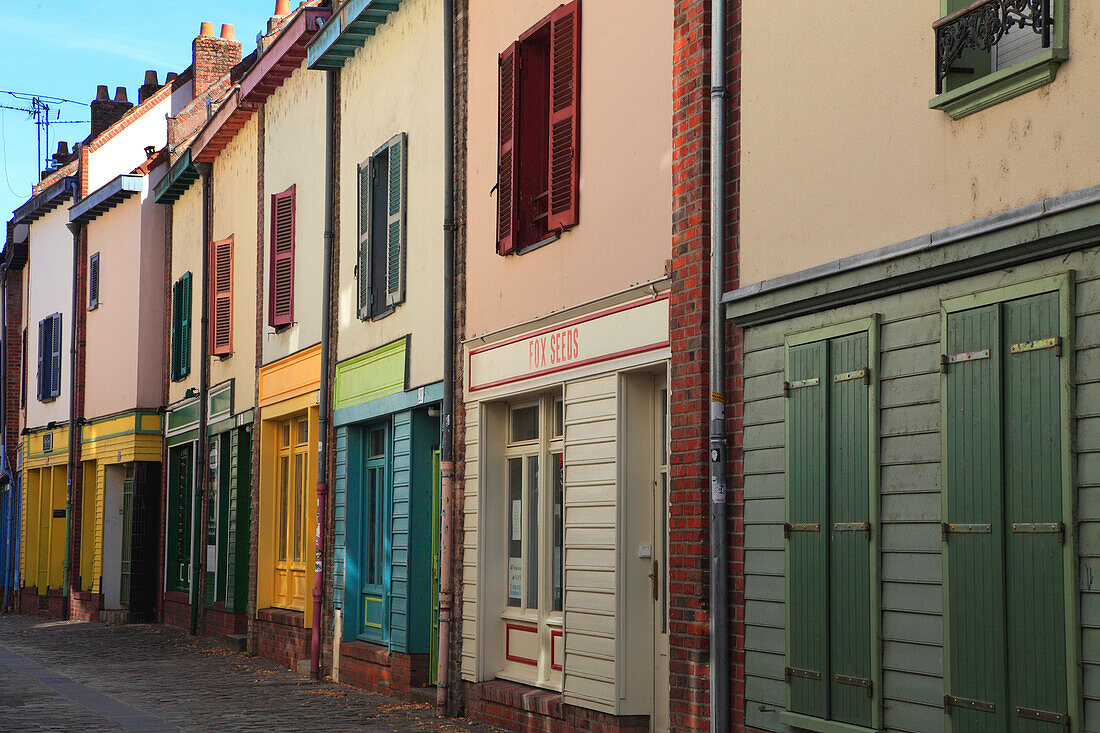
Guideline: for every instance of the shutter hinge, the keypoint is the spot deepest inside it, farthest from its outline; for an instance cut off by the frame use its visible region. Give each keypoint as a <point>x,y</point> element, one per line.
<point>943,363</point>
<point>950,701</point>
<point>803,527</point>
<point>844,679</point>
<point>853,527</point>
<point>1041,528</point>
<point>806,674</point>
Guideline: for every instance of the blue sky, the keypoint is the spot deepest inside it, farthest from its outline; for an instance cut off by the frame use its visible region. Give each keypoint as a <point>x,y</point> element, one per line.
<point>65,48</point>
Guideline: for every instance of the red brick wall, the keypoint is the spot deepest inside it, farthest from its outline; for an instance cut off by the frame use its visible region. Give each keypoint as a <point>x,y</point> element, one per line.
<point>689,615</point>
<point>216,621</point>
<point>520,708</point>
<point>377,669</point>
<point>211,59</point>
<point>85,606</point>
<point>176,611</point>
<point>281,636</point>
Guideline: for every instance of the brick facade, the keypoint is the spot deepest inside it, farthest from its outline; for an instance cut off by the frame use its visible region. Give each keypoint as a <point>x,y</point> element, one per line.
<point>689,588</point>
<point>211,59</point>
<point>374,667</point>
<point>280,635</point>
<point>520,708</point>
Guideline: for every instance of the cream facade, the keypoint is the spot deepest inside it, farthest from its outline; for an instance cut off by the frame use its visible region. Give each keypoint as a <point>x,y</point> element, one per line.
<point>872,142</point>
<point>125,331</point>
<point>294,119</point>
<point>567,349</point>
<point>402,64</point>
<point>625,164</point>
<point>186,251</point>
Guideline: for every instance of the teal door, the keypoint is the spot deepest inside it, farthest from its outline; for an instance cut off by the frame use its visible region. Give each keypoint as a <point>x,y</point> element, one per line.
<point>178,541</point>
<point>374,549</point>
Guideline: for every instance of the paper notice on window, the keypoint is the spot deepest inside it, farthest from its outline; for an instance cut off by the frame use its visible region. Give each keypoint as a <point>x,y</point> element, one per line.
<point>515,576</point>
<point>517,519</point>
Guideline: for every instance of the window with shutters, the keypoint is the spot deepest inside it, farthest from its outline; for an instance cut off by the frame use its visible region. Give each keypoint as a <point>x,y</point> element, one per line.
<point>221,294</point>
<point>181,327</point>
<point>93,282</point>
<point>539,132</point>
<point>380,265</point>
<point>1008,535</point>
<point>49,358</point>
<point>987,52</point>
<point>281,285</point>
<point>832,668</point>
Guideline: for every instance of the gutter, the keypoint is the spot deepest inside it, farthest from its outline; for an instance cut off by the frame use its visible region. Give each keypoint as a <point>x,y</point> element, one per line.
<point>198,514</point>
<point>447,461</point>
<point>331,81</point>
<point>719,567</point>
<point>76,228</point>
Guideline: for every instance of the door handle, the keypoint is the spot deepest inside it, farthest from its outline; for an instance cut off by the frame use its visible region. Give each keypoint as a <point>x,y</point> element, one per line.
<point>653,582</point>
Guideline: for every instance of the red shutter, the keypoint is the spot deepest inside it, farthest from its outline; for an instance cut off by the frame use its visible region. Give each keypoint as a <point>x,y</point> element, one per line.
<point>507,164</point>
<point>565,55</point>
<point>221,321</point>
<point>281,296</point>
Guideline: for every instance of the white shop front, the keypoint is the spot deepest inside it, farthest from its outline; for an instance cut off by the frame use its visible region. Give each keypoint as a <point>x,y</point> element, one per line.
<point>566,505</point>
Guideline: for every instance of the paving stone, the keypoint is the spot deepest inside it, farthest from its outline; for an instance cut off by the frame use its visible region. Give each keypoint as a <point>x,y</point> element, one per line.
<point>92,677</point>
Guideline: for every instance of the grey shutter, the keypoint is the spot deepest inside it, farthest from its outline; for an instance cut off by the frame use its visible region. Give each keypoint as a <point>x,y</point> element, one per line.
<point>93,282</point>
<point>395,219</point>
<point>362,267</point>
<point>55,357</point>
<point>43,363</point>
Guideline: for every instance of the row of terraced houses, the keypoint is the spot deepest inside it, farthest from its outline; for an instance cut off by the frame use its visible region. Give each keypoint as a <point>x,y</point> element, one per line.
<point>585,366</point>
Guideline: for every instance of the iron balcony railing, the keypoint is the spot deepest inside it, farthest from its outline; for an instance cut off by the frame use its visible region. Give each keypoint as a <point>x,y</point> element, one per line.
<point>981,25</point>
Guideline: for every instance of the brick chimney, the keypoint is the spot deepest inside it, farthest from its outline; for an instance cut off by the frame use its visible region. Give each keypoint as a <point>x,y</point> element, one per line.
<point>107,111</point>
<point>150,87</point>
<point>212,57</point>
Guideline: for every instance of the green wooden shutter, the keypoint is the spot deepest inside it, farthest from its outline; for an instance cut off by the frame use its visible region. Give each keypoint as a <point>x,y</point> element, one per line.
<point>185,325</point>
<point>43,362</point>
<point>850,623</point>
<point>1033,510</point>
<point>974,527</point>
<point>395,219</point>
<point>362,267</point>
<point>807,545</point>
<point>55,356</point>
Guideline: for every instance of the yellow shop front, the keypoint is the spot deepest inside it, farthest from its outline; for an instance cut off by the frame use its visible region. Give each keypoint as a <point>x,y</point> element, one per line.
<point>42,545</point>
<point>287,505</point>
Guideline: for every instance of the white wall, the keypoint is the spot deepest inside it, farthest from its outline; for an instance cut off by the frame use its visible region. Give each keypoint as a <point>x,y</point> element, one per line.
<point>49,268</point>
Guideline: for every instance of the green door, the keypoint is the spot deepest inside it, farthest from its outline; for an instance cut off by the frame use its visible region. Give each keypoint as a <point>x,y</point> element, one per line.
<point>178,544</point>
<point>433,641</point>
<point>1005,599</point>
<point>830,605</point>
<point>127,540</point>
<point>807,539</point>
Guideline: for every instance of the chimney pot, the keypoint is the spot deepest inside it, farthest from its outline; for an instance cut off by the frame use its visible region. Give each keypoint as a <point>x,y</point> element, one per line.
<point>170,77</point>
<point>227,31</point>
<point>150,151</point>
<point>151,77</point>
<point>102,92</point>
<point>206,29</point>
<point>282,7</point>
<point>62,149</point>
<point>120,94</point>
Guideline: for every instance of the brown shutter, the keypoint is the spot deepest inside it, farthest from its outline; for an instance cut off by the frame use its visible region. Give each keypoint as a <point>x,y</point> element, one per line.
<point>281,297</point>
<point>507,164</point>
<point>221,275</point>
<point>564,157</point>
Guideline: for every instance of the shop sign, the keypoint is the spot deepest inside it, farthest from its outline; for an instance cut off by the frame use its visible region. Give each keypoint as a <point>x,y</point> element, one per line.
<point>632,328</point>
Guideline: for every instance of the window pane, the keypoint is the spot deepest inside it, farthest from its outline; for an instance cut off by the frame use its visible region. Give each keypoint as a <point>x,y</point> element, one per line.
<point>663,416</point>
<point>515,531</point>
<point>299,490</point>
<point>532,531</point>
<point>377,443</point>
<point>281,527</point>
<point>303,432</point>
<point>373,531</point>
<point>525,424</point>
<point>286,435</point>
<point>558,517</point>
<point>559,418</point>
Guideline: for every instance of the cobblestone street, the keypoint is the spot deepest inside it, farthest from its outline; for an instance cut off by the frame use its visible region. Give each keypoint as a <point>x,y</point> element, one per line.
<point>58,676</point>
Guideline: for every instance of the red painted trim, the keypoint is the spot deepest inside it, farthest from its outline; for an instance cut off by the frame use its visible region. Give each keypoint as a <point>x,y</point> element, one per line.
<point>573,365</point>
<point>283,57</point>
<point>553,664</point>
<point>508,628</point>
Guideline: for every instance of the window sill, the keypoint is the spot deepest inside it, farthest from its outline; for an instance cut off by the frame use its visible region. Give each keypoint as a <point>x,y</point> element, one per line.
<point>1000,86</point>
<point>548,239</point>
<point>807,722</point>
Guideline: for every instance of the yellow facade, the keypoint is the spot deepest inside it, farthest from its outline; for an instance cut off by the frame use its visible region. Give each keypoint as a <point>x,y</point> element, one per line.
<point>123,439</point>
<point>287,482</point>
<point>45,474</point>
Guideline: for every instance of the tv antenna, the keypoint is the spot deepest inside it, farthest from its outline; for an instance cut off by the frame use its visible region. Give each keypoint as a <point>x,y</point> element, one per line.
<point>46,111</point>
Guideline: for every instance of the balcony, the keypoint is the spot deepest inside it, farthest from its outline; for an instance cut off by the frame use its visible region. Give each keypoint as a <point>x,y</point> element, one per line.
<point>992,50</point>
